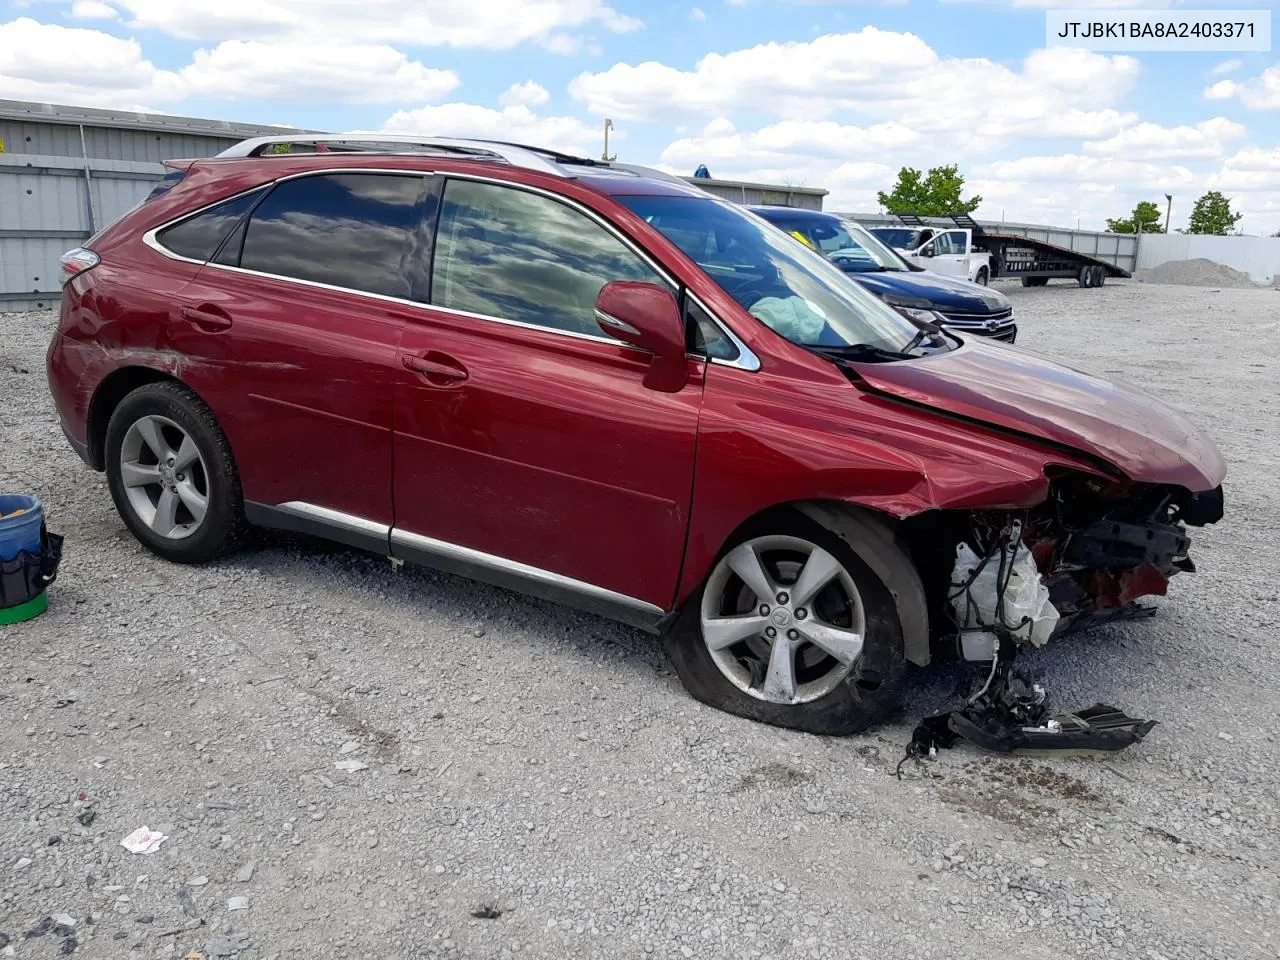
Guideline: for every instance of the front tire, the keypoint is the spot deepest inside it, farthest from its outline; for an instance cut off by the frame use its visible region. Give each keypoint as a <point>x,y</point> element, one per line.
<point>793,628</point>
<point>171,474</point>
<point>982,278</point>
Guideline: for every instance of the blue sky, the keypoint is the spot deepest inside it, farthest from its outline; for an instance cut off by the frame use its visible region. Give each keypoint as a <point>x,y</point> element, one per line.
<point>832,94</point>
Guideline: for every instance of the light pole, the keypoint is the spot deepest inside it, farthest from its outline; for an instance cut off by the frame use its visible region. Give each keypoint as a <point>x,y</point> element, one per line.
<point>608,125</point>
<point>1168,210</point>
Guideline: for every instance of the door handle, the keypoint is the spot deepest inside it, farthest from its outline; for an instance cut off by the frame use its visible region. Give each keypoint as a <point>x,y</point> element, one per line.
<point>207,317</point>
<point>436,368</point>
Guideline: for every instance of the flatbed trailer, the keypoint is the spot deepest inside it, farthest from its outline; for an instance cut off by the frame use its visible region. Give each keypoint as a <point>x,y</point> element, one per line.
<point>1036,262</point>
<point>1010,255</point>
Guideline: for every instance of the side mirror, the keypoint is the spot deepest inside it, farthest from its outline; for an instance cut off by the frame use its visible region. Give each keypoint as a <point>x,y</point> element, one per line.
<point>926,250</point>
<point>647,316</point>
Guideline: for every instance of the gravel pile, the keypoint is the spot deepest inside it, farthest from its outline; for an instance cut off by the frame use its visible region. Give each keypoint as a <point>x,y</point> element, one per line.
<point>1198,272</point>
<point>350,762</point>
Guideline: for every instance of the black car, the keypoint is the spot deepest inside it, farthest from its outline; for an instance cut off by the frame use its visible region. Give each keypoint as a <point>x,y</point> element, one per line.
<point>959,304</point>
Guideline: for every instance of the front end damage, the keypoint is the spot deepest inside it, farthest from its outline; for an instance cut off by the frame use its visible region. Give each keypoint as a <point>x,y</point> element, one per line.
<point>998,581</point>
<point>1099,546</point>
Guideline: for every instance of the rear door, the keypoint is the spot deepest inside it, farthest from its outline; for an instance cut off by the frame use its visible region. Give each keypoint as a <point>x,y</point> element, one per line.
<point>525,439</point>
<point>290,333</point>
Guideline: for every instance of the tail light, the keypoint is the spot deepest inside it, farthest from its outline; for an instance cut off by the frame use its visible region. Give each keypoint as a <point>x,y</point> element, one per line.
<point>77,261</point>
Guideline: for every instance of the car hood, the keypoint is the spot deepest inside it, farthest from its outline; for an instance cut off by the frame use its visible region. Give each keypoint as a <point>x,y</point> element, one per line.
<point>945,294</point>
<point>1145,438</point>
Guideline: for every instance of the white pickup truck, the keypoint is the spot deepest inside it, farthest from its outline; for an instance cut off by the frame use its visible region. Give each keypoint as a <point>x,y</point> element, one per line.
<point>945,251</point>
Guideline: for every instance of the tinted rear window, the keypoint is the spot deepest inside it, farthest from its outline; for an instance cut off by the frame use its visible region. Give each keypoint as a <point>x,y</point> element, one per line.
<point>199,237</point>
<point>362,231</point>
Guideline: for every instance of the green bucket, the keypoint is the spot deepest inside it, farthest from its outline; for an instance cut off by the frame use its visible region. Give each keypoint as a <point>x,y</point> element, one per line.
<point>25,611</point>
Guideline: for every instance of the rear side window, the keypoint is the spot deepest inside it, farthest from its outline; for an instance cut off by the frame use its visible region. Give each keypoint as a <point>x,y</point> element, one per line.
<point>199,237</point>
<point>361,231</point>
<point>516,255</point>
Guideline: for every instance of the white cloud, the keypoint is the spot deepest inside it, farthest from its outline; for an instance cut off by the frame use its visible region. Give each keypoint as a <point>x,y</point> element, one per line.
<point>697,14</point>
<point>1250,169</point>
<point>93,10</point>
<point>1225,67</point>
<point>529,94</point>
<point>458,23</point>
<point>888,76</point>
<point>355,73</point>
<point>1150,141</point>
<point>517,124</point>
<point>89,67</point>
<point>77,65</point>
<point>1260,93</point>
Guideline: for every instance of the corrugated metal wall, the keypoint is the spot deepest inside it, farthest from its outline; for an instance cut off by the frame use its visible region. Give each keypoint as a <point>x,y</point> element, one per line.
<point>805,198</point>
<point>49,204</point>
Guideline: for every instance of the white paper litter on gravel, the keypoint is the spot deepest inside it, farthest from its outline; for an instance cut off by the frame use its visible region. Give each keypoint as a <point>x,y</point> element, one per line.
<point>143,840</point>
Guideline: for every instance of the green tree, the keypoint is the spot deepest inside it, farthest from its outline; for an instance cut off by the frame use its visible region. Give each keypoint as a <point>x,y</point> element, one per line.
<point>1212,214</point>
<point>1144,219</point>
<point>935,194</point>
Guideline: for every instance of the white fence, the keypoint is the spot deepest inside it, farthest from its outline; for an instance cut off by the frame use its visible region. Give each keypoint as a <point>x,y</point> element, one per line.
<point>1257,256</point>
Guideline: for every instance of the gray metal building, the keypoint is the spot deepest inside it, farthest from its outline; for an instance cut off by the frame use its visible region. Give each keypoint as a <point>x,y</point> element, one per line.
<point>774,194</point>
<point>67,172</point>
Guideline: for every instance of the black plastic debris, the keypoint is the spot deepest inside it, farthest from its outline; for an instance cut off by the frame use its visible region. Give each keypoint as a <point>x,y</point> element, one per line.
<point>39,930</point>
<point>487,911</point>
<point>86,817</point>
<point>1011,714</point>
<point>4,940</point>
<point>68,946</point>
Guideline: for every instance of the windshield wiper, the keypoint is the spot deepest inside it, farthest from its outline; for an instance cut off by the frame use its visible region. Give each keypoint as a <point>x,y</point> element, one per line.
<point>859,351</point>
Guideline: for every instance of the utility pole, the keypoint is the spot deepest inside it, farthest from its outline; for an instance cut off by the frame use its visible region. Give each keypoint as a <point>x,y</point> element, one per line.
<point>608,125</point>
<point>1168,210</point>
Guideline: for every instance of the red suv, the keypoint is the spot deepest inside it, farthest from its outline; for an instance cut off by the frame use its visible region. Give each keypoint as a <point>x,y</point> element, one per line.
<point>595,383</point>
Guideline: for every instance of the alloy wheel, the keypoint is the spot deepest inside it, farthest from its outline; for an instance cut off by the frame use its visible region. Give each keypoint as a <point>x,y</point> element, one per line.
<point>782,619</point>
<point>164,477</point>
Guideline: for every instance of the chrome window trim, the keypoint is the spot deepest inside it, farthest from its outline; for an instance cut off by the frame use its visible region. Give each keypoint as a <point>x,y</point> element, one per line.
<point>523,571</point>
<point>746,359</point>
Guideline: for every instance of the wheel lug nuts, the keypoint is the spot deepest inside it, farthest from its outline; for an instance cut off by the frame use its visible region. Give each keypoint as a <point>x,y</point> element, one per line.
<point>770,632</point>
<point>783,598</point>
<point>800,614</point>
<point>764,609</point>
<point>793,635</point>
<point>180,477</point>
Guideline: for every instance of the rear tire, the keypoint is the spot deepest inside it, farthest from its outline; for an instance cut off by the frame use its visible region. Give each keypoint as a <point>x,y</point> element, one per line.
<point>828,695</point>
<point>171,474</point>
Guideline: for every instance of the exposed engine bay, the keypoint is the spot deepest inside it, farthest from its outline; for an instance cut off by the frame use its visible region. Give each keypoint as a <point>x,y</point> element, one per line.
<point>1084,556</point>
<point>1098,547</point>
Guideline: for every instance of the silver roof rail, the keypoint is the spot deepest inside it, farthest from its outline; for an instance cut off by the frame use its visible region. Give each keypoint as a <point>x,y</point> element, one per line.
<point>651,173</point>
<point>472,149</point>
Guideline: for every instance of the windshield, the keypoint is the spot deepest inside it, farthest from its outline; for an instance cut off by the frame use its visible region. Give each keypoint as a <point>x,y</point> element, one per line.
<point>897,237</point>
<point>785,285</point>
<point>846,243</point>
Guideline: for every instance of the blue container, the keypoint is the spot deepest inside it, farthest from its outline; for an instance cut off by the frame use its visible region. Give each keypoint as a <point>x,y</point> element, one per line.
<point>20,534</point>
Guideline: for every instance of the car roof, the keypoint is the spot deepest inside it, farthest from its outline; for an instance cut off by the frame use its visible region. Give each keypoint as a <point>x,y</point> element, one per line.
<point>770,212</point>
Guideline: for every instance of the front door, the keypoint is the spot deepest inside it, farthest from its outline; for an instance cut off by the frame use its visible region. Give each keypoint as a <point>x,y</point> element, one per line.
<point>947,253</point>
<point>525,439</point>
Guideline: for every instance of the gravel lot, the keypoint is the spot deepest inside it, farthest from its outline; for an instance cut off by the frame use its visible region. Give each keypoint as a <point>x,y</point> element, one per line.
<point>546,764</point>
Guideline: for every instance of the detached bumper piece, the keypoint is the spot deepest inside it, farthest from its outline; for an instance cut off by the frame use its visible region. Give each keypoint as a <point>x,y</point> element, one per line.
<point>1012,716</point>
<point>25,578</point>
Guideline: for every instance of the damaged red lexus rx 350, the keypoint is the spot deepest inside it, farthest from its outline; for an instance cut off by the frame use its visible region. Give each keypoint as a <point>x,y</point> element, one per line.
<point>595,383</point>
